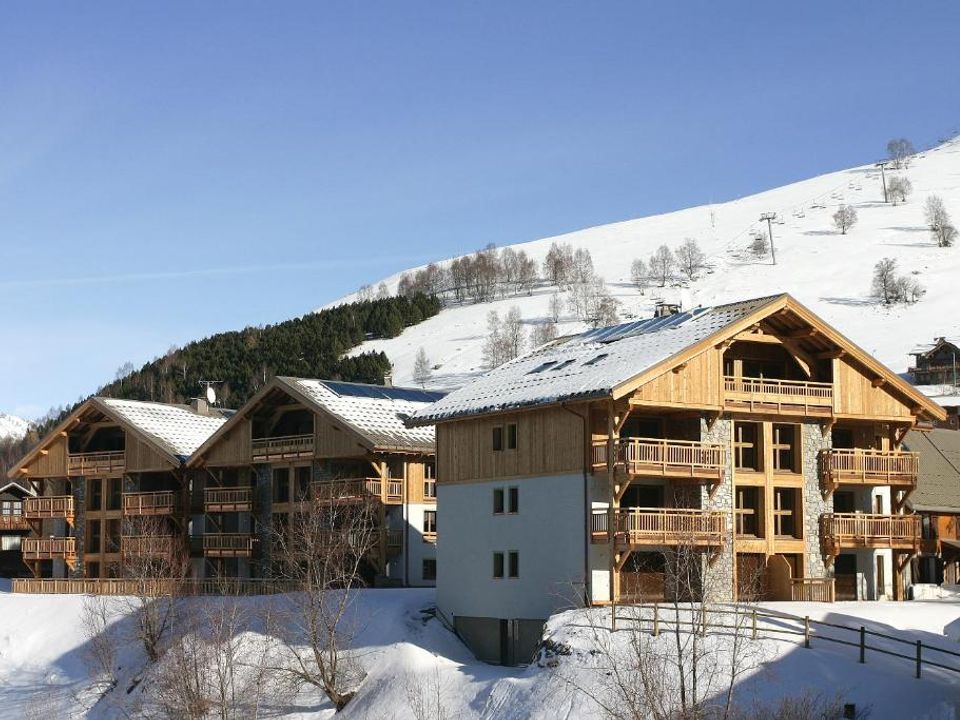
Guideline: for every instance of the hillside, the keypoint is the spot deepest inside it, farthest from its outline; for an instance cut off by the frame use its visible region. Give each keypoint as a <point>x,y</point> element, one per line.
<point>12,427</point>
<point>829,272</point>
<point>410,659</point>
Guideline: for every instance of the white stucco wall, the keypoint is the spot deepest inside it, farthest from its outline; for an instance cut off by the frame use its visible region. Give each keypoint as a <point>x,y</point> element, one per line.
<point>408,566</point>
<point>548,532</point>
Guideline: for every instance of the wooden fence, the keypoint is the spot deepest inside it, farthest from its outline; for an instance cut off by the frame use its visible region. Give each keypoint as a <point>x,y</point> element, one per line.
<point>764,624</point>
<point>157,586</point>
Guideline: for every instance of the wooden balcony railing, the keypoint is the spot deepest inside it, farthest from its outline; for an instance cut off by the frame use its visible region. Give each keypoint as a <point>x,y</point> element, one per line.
<point>794,394</point>
<point>97,463</point>
<point>14,522</point>
<point>153,586</point>
<point>48,506</point>
<point>869,467</point>
<point>862,530</point>
<point>149,503</point>
<point>389,492</point>
<point>147,545</point>
<point>228,544</point>
<point>663,458</point>
<point>282,447</point>
<point>430,537</point>
<point>660,526</point>
<point>235,499</point>
<point>49,548</point>
<point>812,590</point>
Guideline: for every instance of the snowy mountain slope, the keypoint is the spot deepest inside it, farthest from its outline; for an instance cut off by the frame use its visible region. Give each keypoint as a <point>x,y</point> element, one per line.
<point>829,272</point>
<point>12,427</point>
<point>45,665</point>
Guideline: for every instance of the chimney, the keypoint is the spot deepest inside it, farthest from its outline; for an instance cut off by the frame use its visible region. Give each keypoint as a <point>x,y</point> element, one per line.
<point>200,406</point>
<point>388,380</point>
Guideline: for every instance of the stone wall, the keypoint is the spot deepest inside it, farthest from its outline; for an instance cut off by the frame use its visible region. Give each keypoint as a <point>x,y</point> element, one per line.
<point>78,488</point>
<point>720,573</point>
<point>813,439</point>
<point>263,513</point>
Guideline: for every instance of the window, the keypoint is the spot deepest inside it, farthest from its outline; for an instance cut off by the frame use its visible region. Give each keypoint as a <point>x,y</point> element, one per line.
<point>303,481</point>
<point>429,480</point>
<point>513,500</point>
<point>746,445</point>
<point>498,438</point>
<point>429,569</point>
<point>498,506</point>
<point>498,565</point>
<point>430,523</point>
<point>9,542</point>
<point>785,504</point>
<point>514,565</point>
<point>93,536</point>
<point>113,536</point>
<point>94,494</point>
<point>512,436</point>
<point>784,447</point>
<point>281,485</point>
<point>11,507</point>
<point>748,521</point>
<point>114,501</point>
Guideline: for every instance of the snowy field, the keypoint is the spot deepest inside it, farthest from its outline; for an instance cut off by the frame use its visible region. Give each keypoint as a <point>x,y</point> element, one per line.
<point>829,272</point>
<point>409,655</point>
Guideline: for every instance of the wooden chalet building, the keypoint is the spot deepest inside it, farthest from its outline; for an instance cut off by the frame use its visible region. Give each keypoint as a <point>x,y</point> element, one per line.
<point>936,501</point>
<point>110,485</point>
<point>936,363</point>
<point>337,441</point>
<point>751,436</point>
<point>13,528</point>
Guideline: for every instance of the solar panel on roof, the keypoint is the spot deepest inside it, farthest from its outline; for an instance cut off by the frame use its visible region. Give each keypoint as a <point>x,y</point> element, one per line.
<point>380,392</point>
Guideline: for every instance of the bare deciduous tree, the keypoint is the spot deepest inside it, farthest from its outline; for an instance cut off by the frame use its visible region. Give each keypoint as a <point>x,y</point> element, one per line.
<point>421,368</point>
<point>555,307</point>
<point>543,333</point>
<point>639,274</point>
<point>889,287</point>
<point>325,549</point>
<point>898,188</point>
<point>844,218</point>
<point>662,265</point>
<point>558,264</point>
<point>899,151</point>
<point>938,219</point>
<point>691,259</point>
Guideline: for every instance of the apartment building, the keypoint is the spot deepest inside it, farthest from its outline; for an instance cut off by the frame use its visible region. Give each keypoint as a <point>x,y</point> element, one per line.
<point>752,437</point>
<point>110,485</point>
<point>336,441</point>
<point>13,528</point>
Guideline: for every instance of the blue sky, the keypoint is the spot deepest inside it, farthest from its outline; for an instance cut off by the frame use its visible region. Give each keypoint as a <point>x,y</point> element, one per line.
<point>171,170</point>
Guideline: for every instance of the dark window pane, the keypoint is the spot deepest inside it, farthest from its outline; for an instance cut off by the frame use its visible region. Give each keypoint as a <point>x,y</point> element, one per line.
<point>498,501</point>
<point>514,495</point>
<point>498,565</point>
<point>514,564</point>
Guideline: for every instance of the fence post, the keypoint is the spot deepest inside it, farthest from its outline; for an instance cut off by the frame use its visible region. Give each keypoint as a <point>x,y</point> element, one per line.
<point>863,644</point>
<point>754,624</point>
<point>806,631</point>
<point>919,661</point>
<point>656,619</point>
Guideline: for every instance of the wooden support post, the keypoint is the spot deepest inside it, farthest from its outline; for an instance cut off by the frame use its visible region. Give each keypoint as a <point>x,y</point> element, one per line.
<point>656,619</point>
<point>806,631</point>
<point>863,644</point>
<point>919,661</point>
<point>753,633</point>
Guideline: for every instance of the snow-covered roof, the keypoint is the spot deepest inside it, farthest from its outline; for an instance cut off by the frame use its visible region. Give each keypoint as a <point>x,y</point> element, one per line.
<point>177,429</point>
<point>924,348</point>
<point>588,365</point>
<point>375,412</point>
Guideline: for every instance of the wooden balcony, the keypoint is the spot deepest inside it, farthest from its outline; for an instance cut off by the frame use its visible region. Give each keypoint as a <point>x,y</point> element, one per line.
<point>653,457</point>
<point>812,590</point>
<point>786,397</point>
<point>97,464</point>
<point>49,506</point>
<point>841,531</point>
<point>228,544</point>
<point>13,522</point>
<point>62,548</point>
<point>286,447</point>
<point>868,467</point>
<point>235,499</point>
<point>637,527</point>
<point>389,492</point>
<point>147,545</point>
<point>149,503</point>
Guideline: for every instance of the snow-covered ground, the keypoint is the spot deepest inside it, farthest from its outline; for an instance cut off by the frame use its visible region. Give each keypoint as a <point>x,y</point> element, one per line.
<point>12,427</point>
<point>829,272</point>
<point>408,655</point>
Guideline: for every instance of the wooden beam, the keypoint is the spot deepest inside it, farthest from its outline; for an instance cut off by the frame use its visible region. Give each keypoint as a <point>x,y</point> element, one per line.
<point>878,382</point>
<point>830,355</point>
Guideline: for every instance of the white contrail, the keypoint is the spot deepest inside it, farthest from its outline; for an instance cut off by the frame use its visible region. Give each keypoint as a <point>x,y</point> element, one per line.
<point>201,272</point>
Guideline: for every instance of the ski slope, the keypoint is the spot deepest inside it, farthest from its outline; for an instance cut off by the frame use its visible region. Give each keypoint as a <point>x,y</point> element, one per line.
<point>44,665</point>
<point>829,272</point>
